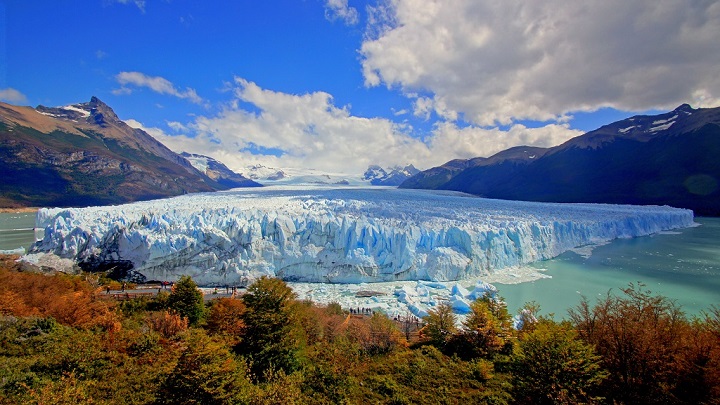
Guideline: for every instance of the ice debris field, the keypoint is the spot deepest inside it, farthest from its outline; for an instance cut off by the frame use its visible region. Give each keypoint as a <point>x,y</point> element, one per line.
<point>422,241</point>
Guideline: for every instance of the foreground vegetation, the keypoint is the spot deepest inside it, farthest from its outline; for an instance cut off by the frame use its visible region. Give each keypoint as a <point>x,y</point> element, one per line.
<point>61,343</point>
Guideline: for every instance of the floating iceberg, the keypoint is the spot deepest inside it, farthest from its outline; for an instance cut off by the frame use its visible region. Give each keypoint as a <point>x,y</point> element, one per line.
<point>339,235</point>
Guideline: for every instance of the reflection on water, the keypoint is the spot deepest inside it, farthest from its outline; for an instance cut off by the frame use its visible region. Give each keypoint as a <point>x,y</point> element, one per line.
<point>683,265</point>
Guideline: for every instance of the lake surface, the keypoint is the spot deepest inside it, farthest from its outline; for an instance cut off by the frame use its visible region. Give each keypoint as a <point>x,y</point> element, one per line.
<point>683,265</point>
<point>16,230</point>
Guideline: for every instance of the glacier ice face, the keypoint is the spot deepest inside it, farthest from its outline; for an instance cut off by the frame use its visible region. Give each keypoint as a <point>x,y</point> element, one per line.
<point>341,235</point>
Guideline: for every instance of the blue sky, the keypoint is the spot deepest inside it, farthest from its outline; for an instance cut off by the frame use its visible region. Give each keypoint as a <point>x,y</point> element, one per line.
<point>337,85</point>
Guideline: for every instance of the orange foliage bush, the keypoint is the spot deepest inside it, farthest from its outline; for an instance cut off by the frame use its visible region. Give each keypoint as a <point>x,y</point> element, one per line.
<point>68,299</point>
<point>167,324</point>
<point>653,353</point>
<point>335,326</point>
<point>375,335</point>
<point>226,317</point>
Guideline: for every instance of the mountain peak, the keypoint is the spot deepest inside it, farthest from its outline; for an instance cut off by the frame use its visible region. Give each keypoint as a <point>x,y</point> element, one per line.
<point>94,112</point>
<point>99,105</point>
<point>684,108</point>
<point>392,176</point>
<point>101,112</point>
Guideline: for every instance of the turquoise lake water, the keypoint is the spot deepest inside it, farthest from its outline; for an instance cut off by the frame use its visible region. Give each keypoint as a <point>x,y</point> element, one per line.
<point>683,265</point>
<point>16,230</point>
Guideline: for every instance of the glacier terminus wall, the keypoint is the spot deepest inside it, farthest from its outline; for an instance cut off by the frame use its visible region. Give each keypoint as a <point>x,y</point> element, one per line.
<point>339,235</point>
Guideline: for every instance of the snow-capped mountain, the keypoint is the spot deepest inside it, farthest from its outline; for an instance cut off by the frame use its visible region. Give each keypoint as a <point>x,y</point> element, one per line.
<point>218,171</point>
<point>83,154</point>
<point>346,235</point>
<point>260,173</point>
<point>393,176</point>
<point>670,158</point>
<point>295,177</point>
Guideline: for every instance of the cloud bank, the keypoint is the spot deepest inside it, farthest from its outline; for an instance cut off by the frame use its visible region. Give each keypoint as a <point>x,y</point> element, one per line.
<point>277,129</point>
<point>493,62</point>
<point>475,71</point>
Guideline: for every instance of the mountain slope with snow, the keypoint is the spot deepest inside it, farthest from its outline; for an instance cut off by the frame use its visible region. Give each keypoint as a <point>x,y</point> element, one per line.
<point>218,171</point>
<point>263,173</point>
<point>665,159</point>
<point>394,176</point>
<point>83,154</point>
<point>346,235</point>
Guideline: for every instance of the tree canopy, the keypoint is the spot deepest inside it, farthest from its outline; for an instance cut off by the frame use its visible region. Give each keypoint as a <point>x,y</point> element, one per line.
<point>187,300</point>
<point>267,347</point>
<point>272,338</point>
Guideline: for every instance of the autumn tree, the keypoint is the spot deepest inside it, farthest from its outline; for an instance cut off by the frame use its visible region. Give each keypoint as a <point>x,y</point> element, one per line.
<point>554,366</point>
<point>272,338</point>
<point>440,325</point>
<point>485,332</point>
<point>68,299</point>
<point>699,361</point>
<point>710,329</point>
<point>384,335</point>
<point>167,324</point>
<point>527,317</point>
<point>187,300</point>
<point>68,389</point>
<point>206,373</point>
<point>642,339</point>
<point>225,317</point>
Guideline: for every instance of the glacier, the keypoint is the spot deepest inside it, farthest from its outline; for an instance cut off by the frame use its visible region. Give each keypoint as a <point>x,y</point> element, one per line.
<point>335,235</point>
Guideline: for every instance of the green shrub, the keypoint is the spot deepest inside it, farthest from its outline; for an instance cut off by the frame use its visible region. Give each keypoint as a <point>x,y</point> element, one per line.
<point>187,300</point>
<point>554,366</point>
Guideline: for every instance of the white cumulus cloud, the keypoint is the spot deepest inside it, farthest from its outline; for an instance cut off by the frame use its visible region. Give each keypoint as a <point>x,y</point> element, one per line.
<point>155,83</point>
<point>464,143</point>
<point>493,62</point>
<point>305,130</point>
<point>12,96</point>
<point>340,10</point>
<point>308,131</point>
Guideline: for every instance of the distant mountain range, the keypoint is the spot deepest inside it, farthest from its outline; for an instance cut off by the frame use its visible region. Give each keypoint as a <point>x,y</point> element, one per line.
<point>667,159</point>
<point>218,171</point>
<point>394,176</point>
<point>83,154</point>
<point>260,172</point>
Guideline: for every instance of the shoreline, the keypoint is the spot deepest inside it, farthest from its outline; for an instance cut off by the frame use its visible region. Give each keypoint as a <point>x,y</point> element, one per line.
<point>18,210</point>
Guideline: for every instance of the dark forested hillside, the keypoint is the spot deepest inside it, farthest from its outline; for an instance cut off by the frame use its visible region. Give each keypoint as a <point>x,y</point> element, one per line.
<point>668,159</point>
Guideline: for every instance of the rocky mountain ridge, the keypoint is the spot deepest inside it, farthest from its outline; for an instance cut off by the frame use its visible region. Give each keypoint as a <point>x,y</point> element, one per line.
<point>83,154</point>
<point>218,171</point>
<point>393,176</point>
<point>665,159</point>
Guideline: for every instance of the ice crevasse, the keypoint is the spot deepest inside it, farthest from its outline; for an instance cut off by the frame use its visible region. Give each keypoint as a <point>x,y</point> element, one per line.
<point>342,235</point>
